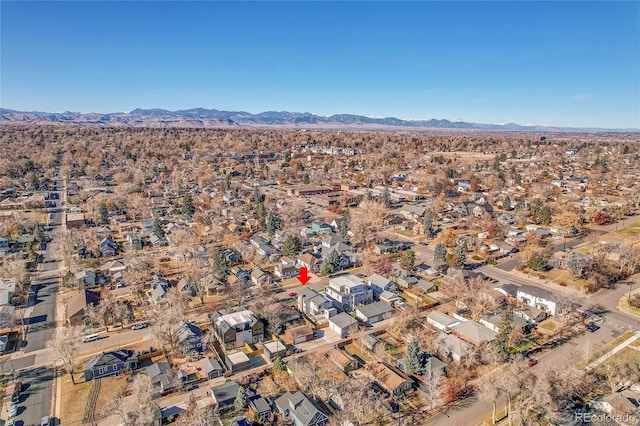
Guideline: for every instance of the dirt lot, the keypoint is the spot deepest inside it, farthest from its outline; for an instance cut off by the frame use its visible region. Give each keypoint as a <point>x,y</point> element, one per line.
<point>74,398</point>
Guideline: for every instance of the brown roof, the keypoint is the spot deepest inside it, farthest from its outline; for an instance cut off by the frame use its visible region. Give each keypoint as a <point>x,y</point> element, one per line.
<point>339,358</point>
<point>385,376</point>
<point>78,302</point>
<point>308,259</point>
<point>303,330</point>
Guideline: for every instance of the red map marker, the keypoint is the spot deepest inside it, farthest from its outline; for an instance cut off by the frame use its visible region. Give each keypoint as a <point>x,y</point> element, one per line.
<point>303,277</point>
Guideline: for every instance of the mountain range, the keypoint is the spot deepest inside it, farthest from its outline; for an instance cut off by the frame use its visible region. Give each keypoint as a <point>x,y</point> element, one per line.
<point>212,118</point>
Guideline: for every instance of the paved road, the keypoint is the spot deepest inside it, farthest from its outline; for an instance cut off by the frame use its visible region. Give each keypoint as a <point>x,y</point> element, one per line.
<point>37,376</point>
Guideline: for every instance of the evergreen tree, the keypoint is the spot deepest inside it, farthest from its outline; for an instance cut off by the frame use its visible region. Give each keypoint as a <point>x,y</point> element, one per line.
<point>440,252</point>
<point>227,181</point>
<point>428,223</point>
<point>157,228</point>
<point>506,203</point>
<point>261,215</point>
<point>412,359</point>
<point>291,246</point>
<point>241,402</point>
<point>326,268</point>
<point>333,259</point>
<point>187,205</point>
<point>460,252</point>
<point>386,197</point>
<point>103,214</point>
<point>501,343</point>
<point>408,259</point>
<point>220,263</point>
<point>273,223</point>
<point>257,196</point>
<point>305,179</point>
<point>346,223</point>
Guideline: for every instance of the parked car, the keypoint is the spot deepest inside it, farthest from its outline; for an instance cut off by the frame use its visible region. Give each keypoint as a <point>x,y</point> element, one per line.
<point>422,243</point>
<point>46,421</point>
<point>532,362</point>
<point>13,410</point>
<point>139,326</point>
<point>15,397</point>
<point>293,294</point>
<point>592,327</point>
<point>17,387</point>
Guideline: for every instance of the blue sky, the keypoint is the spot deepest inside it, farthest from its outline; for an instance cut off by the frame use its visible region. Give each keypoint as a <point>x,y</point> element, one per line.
<point>562,63</point>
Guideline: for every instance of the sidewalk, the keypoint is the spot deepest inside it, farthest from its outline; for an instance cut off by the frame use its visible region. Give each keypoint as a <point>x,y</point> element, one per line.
<point>612,352</point>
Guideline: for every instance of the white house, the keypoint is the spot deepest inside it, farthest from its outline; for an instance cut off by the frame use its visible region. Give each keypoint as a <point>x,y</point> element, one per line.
<point>346,291</point>
<point>537,297</point>
<point>441,321</point>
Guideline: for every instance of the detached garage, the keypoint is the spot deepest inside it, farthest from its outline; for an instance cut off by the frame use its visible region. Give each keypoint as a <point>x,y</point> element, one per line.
<point>374,312</point>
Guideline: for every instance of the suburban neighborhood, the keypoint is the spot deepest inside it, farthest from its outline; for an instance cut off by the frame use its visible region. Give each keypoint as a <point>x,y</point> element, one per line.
<point>242,277</point>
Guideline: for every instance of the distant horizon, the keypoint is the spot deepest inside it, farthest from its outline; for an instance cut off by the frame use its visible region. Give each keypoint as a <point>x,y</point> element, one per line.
<point>454,120</point>
<point>556,64</point>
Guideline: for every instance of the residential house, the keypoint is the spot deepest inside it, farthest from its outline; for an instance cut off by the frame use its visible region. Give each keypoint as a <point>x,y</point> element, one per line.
<point>308,261</point>
<point>212,368</point>
<point>388,247</point>
<point>312,302</point>
<point>537,297</point>
<point>473,332</point>
<point>159,291</point>
<point>262,245</point>
<point>379,284</point>
<point>343,360</point>
<point>109,364</point>
<point>441,321</point>
<point>8,287</point>
<point>259,277</point>
<point>224,395</point>
<point>236,328</point>
<point>493,322</point>
<point>453,347</point>
<point>374,312</point>
<point>531,314</point>
<point>389,379</point>
<point>296,407</point>
<point>285,270</point>
<point>108,247</point>
<point>86,277</point>
<point>342,324</point>
<point>162,378</point>
<point>259,410</point>
<point>623,405</point>
<point>157,241</point>
<point>134,241</point>
<point>77,306</point>
<point>7,316</point>
<point>347,291</point>
<point>189,338</point>
<point>320,227</point>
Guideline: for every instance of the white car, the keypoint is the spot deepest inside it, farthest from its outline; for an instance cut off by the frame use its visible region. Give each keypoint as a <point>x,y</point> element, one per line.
<point>139,326</point>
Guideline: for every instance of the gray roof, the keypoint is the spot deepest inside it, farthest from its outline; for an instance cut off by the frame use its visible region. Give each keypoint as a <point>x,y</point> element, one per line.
<point>260,405</point>
<point>300,407</point>
<point>509,289</point>
<point>187,331</point>
<point>379,280</point>
<point>343,320</point>
<point>106,359</point>
<point>474,331</point>
<point>495,320</point>
<point>225,392</point>
<point>442,318</point>
<point>433,365</point>
<point>211,364</point>
<point>374,309</point>
<point>160,373</point>
<point>537,292</point>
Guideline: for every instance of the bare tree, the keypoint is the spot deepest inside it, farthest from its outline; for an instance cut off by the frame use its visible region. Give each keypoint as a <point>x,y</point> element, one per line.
<point>66,345</point>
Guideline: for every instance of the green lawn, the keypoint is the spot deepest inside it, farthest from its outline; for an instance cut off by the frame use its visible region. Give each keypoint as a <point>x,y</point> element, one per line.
<point>633,229</point>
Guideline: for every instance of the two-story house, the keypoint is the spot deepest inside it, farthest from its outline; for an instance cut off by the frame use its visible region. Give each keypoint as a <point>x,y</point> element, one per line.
<point>347,291</point>
<point>299,409</point>
<point>236,328</point>
<point>109,364</point>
